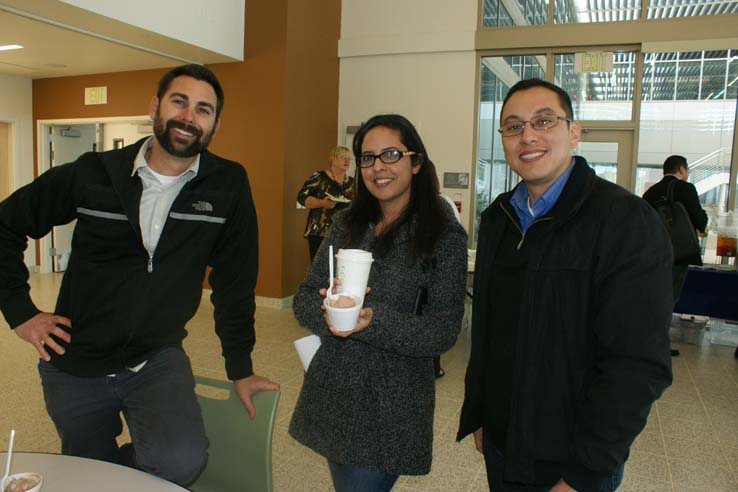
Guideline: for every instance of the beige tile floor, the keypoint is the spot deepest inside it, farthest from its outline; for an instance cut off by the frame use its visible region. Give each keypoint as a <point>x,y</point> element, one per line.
<point>690,443</point>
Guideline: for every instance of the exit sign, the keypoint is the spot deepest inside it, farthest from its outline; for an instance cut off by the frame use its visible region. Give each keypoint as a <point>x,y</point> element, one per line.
<point>599,61</point>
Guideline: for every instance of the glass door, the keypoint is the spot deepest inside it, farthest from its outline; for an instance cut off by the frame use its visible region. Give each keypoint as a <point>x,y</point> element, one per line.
<point>609,153</point>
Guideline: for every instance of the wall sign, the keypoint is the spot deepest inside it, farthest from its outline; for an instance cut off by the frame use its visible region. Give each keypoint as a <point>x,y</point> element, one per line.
<point>598,61</point>
<point>456,180</point>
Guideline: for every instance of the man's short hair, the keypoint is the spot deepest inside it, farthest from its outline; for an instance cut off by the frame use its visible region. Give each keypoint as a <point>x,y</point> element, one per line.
<point>525,84</point>
<point>197,72</point>
<point>674,163</point>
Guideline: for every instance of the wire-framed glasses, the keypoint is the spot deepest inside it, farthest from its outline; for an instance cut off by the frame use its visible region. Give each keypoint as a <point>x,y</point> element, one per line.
<point>539,123</point>
<point>389,156</point>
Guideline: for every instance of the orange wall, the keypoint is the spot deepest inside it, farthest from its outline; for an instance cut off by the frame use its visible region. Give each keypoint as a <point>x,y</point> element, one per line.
<point>258,126</point>
<point>312,116</point>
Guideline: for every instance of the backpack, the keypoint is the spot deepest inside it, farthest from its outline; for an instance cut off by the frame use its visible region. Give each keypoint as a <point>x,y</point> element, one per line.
<point>679,225</point>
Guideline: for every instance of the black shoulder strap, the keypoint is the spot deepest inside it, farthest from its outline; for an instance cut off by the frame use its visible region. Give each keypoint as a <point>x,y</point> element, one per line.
<point>670,190</point>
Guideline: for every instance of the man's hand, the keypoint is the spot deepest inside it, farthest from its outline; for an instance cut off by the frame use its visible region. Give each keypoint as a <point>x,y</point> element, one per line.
<point>478,440</point>
<point>38,329</point>
<point>247,387</point>
<point>562,486</point>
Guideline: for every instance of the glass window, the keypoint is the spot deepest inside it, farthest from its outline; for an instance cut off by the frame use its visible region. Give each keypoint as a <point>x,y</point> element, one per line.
<point>659,77</point>
<point>731,91</point>
<point>688,80</point>
<point>696,120</point>
<point>598,95</point>
<point>713,79</point>
<point>496,13</point>
<point>498,74</point>
<point>667,9</point>
<point>571,11</point>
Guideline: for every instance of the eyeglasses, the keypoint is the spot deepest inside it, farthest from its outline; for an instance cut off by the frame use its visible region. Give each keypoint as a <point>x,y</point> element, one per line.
<point>539,123</point>
<point>389,156</point>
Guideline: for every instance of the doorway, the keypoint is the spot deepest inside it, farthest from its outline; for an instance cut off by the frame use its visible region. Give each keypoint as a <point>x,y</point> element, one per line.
<point>128,129</point>
<point>609,153</point>
<point>66,143</point>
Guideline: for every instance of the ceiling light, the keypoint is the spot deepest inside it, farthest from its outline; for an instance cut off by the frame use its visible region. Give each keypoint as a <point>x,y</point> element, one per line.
<point>6,47</point>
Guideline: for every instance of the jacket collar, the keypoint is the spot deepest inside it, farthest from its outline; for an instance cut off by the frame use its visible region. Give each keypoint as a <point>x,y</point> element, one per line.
<point>575,192</point>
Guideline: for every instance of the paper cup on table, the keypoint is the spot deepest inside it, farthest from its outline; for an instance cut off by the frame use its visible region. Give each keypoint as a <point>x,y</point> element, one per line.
<point>23,482</point>
<point>306,348</point>
<point>343,318</point>
<point>353,266</point>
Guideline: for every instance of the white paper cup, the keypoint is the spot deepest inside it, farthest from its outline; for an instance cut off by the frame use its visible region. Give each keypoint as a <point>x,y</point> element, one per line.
<point>17,476</point>
<point>353,266</point>
<point>343,319</point>
<point>306,348</point>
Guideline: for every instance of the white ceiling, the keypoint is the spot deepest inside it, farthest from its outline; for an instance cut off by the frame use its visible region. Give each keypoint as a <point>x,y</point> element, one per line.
<point>51,51</point>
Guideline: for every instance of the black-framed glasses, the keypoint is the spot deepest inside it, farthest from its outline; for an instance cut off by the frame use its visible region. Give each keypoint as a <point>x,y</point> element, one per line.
<point>539,123</point>
<point>389,156</point>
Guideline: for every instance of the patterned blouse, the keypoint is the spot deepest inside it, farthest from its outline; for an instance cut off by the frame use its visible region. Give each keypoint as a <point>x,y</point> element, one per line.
<point>317,185</point>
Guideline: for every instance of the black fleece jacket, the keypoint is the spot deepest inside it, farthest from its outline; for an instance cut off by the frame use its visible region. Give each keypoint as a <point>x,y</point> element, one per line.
<point>124,305</point>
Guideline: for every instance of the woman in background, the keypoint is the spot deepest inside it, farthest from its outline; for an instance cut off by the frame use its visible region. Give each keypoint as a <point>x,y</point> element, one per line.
<point>324,193</point>
<point>368,397</point>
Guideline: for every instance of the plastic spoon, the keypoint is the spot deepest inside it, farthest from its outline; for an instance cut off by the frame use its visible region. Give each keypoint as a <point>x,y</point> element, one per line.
<point>7,462</point>
<point>330,272</point>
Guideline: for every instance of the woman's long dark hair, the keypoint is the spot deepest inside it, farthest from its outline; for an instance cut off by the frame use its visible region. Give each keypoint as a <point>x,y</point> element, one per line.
<point>424,210</point>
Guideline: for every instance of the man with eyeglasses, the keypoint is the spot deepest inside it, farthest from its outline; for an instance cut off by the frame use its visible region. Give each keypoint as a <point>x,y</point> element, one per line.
<point>571,311</point>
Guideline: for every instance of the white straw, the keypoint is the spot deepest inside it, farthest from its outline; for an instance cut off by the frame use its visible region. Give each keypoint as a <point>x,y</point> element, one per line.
<point>10,454</point>
<point>330,270</point>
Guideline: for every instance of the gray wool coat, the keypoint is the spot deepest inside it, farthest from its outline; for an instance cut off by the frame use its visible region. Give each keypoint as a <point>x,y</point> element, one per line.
<point>368,400</point>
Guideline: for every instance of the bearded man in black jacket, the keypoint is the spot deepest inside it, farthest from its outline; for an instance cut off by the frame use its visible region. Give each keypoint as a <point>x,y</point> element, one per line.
<point>151,217</point>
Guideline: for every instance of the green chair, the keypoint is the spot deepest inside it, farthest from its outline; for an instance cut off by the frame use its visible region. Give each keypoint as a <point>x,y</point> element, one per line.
<point>240,453</point>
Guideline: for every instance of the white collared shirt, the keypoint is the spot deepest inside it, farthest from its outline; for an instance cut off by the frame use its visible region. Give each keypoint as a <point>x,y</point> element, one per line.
<point>159,193</point>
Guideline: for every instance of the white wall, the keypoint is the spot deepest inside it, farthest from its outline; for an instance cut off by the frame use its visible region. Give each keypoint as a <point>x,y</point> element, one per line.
<point>16,108</point>
<point>129,132</point>
<point>416,58</point>
<point>216,25</point>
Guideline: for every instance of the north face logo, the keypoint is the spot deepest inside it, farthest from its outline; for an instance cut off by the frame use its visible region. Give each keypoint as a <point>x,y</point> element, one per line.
<point>202,206</point>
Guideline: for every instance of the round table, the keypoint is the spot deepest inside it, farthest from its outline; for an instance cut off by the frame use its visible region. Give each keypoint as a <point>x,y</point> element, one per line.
<point>72,474</point>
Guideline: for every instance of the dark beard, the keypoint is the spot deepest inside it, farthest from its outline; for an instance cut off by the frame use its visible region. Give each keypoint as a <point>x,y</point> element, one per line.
<point>173,145</point>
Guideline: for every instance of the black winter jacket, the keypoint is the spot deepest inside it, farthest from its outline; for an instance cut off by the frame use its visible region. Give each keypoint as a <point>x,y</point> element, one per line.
<point>686,194</point>
<point>592,350</point>
<point>122,304</point>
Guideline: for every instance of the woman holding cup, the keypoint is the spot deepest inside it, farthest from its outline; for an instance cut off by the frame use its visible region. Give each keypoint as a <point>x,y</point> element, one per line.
<point>368,397</point>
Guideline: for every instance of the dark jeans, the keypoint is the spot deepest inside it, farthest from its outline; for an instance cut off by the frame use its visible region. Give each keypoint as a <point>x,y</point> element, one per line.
<point>158,403</point>
<point>494,460</point>
<point>347,478</point>
<point>314,243</point>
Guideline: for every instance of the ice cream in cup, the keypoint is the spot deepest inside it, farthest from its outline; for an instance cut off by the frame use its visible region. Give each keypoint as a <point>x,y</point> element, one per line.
<point>343,311</point>
<point>23,482</point>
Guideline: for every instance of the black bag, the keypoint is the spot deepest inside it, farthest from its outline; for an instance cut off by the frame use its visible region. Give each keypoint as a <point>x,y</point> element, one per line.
<point>679,225</point>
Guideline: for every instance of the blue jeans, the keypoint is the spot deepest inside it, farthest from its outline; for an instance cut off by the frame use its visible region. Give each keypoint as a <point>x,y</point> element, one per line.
<point>158,403</point>
<point>494,460</point>
<point>347,478</point>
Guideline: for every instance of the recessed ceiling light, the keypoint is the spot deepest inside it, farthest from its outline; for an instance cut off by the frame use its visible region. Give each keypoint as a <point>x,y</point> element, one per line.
<point>6,47</point>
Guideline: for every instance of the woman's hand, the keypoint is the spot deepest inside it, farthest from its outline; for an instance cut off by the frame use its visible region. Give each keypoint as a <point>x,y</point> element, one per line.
<point>328,203</point>
<point>365,317</point>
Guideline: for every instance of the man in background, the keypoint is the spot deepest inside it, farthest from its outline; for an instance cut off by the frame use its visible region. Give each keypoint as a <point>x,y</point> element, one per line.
<point>676,170</point>
<point>150,218</point>
<point>570,342</point>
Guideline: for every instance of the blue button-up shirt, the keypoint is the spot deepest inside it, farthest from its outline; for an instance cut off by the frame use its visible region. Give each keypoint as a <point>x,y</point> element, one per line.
<point>520,199</point>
